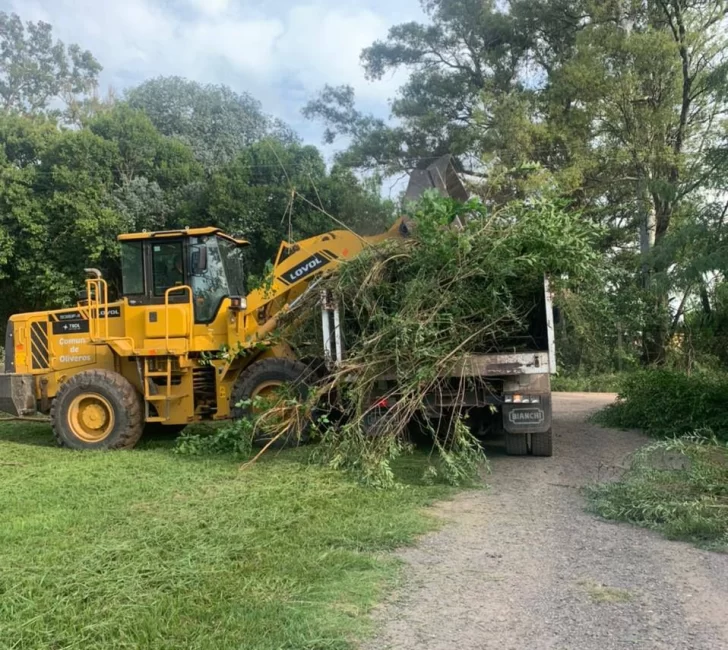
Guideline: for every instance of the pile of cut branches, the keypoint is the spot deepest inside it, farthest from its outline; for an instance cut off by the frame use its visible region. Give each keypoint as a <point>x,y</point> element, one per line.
<point>414,309</point>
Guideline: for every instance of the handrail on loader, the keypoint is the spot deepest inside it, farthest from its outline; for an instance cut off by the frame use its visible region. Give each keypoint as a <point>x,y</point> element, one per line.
<point>97,294</point>
<point>167,293</point>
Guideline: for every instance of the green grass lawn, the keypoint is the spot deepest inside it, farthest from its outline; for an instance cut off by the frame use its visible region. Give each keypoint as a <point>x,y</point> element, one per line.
<point>148,549</point>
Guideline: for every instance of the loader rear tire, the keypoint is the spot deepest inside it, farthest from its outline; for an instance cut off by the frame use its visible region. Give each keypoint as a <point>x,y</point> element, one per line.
<point>268,374</point>
<point>516,444</point>
<point>97,409</point>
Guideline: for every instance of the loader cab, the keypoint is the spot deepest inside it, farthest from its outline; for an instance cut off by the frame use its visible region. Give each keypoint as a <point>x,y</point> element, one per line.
<point>206,260</point>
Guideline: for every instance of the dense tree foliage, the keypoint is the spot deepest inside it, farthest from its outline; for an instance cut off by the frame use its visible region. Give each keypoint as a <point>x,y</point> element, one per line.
<point>213,120</point>
<point>175,153</point>
<point>254,195</point>
<point>66,194</point>
<point>617,106</point>
<point>36,72</point>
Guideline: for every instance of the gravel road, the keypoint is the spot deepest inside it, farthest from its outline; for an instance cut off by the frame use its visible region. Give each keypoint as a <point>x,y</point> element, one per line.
<point>522,566</point>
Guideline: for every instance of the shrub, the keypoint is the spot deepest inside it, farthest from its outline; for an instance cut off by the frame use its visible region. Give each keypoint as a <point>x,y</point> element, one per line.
<point>234,438</point>
<point>679,487</point>
<point>271,419</point>
<point>667,404</point>
<point>598,383</point>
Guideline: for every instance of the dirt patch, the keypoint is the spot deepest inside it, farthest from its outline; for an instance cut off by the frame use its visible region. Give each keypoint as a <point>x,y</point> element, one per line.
<point>522,566</point>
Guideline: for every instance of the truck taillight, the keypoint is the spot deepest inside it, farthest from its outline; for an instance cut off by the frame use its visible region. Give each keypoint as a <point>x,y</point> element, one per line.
<point>522,399</point>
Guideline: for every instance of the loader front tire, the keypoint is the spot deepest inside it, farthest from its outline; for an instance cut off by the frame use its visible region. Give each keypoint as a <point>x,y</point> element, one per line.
<point>262,379</point>
<point>97,409</point>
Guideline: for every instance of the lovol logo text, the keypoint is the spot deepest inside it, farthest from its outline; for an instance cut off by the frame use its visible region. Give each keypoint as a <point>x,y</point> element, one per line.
<point>304,269</point>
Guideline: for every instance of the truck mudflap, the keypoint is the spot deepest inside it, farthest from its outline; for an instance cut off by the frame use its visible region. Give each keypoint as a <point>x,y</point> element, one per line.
<point>528,417</point>
<point>17,394</point>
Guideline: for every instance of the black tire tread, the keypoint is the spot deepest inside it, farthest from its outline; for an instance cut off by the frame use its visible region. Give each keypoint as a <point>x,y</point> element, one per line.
<point>517,444</point>
<point>128,395</point>
<point>542,444</point>
<point>250,377</point>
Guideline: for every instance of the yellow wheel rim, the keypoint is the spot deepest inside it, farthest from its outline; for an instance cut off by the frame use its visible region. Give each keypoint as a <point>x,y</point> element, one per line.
<point>91,417</point>
<point>267,391</point>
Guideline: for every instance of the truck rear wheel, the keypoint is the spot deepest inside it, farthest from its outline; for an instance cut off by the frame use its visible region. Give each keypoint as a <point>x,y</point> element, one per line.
<point>516,444</point>
<point>542,444</point>
<point>263,379</point>
<point>97,409</point>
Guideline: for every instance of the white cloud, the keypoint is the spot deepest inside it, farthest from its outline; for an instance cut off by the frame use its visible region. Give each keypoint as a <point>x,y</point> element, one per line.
<point>323,45</point>
<point>248,46</point>
<point>210,7</point>
<point>280,53</point>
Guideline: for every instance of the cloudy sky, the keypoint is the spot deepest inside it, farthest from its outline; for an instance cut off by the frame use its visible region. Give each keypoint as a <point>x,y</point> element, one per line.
<point>280,51</point>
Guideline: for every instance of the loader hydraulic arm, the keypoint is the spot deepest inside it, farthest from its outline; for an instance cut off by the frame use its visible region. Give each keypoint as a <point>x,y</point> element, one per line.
<point>298,264</point>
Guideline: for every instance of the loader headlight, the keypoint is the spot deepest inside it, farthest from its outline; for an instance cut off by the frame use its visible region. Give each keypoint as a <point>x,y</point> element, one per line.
<point>238,303</point>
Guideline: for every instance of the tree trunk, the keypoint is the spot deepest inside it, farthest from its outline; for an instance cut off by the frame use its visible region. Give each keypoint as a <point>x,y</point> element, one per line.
<point>648,228</point>
<point>656,334</point>
<point>657,331</point>
<point>705,299</point>
<point>620,348</point>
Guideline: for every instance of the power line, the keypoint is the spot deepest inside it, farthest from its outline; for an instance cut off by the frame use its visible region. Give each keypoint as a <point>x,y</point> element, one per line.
<point>361,164</point>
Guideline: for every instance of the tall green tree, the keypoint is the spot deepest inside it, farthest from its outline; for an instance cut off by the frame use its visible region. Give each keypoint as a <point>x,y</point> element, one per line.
<point>646,85</point>
<point>37,71</point>
<point>617,106</point>
<point>216,122</point>
<point>65,195</point>
<point>468,47</point>
<point>55,211</point>
<point>154,176</point>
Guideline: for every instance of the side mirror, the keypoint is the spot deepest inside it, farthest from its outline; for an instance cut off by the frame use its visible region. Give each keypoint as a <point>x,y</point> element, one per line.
<point>82,297</point>
<point>199,260</point>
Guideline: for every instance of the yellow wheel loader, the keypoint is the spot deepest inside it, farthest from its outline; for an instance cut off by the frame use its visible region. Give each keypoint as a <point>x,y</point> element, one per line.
<point>104,370</point>
<point>107,370</point>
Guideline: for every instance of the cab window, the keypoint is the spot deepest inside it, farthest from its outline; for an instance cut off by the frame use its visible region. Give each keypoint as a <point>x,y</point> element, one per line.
<point>232,260</point>
<point>207,279</point>
<point>132,268</point>
<point>167,266</point>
